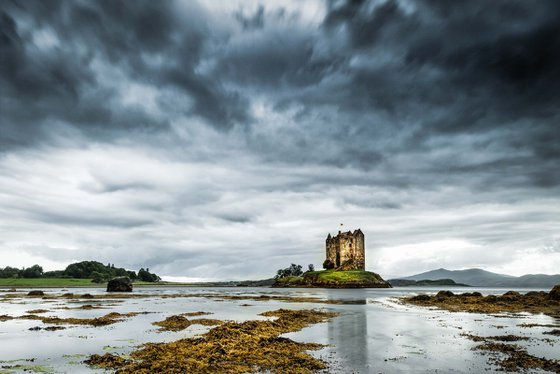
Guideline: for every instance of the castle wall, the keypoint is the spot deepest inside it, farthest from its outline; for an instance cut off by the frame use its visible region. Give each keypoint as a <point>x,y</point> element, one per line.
<point>360,250</point>
<point>332,249</point>
<point>347,248</point>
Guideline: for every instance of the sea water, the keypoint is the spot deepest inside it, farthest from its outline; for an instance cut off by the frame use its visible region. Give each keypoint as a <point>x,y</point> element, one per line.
<point>374,332</point>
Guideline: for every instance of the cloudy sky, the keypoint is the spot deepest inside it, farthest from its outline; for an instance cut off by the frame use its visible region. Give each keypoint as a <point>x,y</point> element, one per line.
<point>225,139</point>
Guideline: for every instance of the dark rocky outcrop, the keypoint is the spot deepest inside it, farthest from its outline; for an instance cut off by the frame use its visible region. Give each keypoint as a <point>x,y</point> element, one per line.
<point>36,293</point>
<point>509,302</point>
<point>554,294</point>
<point>119,284</point>
<point>444,294</point>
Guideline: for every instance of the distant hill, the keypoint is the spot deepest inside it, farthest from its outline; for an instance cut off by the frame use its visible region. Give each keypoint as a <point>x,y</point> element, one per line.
<point>483,278</point>
<point>425,283</point>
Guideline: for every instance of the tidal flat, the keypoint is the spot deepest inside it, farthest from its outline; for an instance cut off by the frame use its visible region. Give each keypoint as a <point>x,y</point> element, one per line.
<point>328,331</point>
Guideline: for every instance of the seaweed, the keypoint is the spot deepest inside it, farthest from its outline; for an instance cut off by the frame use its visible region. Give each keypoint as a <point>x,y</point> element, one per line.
<point>179,322</point>
<point>510,302</point>
<point>231,347</point>
<point>516,357</point>
<point>105,320</point>
<point>37,311</point>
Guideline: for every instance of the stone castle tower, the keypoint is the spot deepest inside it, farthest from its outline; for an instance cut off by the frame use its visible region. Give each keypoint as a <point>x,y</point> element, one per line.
<point>347,250</point>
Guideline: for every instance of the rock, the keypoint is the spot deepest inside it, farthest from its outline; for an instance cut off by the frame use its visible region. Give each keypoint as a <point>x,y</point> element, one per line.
<point>87,296</point>
<point>554,294</point>
<point>36,293</point>
<point>471,294</point>
<point>491,299</point>
<point>536,294</point>
<point>512,293</point>
<point>444,294</point>
<point>422,298</point>
<point>119,284</point>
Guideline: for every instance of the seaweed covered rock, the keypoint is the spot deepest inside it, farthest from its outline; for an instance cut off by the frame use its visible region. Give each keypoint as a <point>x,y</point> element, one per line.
<point>444,294</point>
<point>35,293</point>
<point>509,302</point>
<point>554,294</point>
<point>119,284</point>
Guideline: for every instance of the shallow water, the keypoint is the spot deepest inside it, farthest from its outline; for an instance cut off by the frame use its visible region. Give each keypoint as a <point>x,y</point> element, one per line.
<point>373,334</point>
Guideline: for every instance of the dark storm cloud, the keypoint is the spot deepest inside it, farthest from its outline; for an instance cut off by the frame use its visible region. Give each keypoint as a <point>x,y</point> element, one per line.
<point>254,21</point>
<point>389,69</point>
<point>148,42</point>
<point>492,64</point>
<point>431,69</point>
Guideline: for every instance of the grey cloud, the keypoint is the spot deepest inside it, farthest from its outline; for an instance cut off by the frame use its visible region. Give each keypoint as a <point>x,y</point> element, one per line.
<point>59,83</point>
<point>255,21</point>
<point>237,121</point>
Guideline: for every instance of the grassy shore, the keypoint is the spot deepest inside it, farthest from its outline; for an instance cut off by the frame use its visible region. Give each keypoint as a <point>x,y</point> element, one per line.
<point>59,282</point>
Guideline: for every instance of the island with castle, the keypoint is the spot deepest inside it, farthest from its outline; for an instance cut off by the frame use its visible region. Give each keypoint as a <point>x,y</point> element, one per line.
<point>345,266</point>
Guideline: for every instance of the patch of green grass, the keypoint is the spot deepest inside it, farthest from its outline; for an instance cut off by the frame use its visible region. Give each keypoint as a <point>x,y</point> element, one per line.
<point>61,282</point>
<point>348,276</point>
<point>46,282</point>
<point>334,279</point>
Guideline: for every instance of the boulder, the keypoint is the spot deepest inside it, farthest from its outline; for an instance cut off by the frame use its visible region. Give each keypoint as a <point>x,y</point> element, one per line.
<point>421,297</point>
<point>536,294</point>
<point>35,293</point>
<point>444,294</point>
<point>119,284</point>
<point>554,294</point>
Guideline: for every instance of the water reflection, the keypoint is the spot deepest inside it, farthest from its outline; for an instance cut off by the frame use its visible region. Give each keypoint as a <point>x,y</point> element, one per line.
<point>351,336</point>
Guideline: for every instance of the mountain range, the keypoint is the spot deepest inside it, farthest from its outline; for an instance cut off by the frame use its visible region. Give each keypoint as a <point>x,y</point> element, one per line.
<point>483,278</point>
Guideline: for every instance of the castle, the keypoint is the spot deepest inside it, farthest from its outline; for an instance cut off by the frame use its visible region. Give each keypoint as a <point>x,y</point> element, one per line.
<point>346,251</point>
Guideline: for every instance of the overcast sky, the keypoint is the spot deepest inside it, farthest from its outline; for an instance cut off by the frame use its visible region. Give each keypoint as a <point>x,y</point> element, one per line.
<point>226,139</point>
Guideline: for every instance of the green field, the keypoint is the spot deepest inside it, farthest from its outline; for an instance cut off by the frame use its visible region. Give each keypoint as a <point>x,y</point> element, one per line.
<point>46,282</point>
<point>57,282</point>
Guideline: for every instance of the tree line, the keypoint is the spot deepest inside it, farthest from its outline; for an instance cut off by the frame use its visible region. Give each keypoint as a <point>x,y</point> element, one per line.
<point>293,270</point>
<point>94,270</point>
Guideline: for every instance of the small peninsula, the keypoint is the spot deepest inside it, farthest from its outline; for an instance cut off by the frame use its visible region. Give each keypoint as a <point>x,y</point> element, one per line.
<point>334,279</point>
<point>344,266</point>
